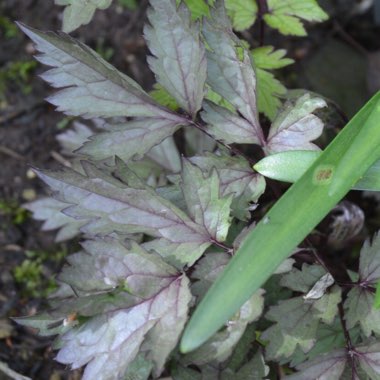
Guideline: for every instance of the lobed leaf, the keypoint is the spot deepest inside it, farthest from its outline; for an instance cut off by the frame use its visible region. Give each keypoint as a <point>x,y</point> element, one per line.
<point>108,343</point>
<point>297,321</point>
<point>243,13</point>
<point>236,178</point>
<point>326,366</point>
<point>108,205</point>
<point>106,264</point>
<point>179,61</point>
<point>198,8</point>
<point>91,86</point>
<point>50,210</point>
<point>131,139</point>
<point>72,139</point>
<point>229,67</point>
<point>227,126</point>
<point>269,92</point>
<point>286,15</point>
<point>266,58</point>
<point>360,308</point>
<point>368,357</point>
<point>369,264</point>
<point>269,89</point>
<point>295,126</point>
<point>80,12</point>
<point>204,201</point>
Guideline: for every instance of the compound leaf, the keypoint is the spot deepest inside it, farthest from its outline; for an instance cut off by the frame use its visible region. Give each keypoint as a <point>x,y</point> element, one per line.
<point>268,87</point>
<point>229,67</point>
<point>131,139</point>
<point>91,86</point>
<point>179,60</point>
<point>266,58</point>
<point>108,343</point>
<point>204,201</point>
<point>295,126</point>
<point>80,12</point>
<point>326,366</point>
<point>107,264</point>
<point>50,211</point>
<point>108,205</point>
<point>286,15</point>
<point>243,13</point>
<point>269,91</point>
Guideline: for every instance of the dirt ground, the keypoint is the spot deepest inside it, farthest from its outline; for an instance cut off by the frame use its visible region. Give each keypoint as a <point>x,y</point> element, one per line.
<point>348,44</point>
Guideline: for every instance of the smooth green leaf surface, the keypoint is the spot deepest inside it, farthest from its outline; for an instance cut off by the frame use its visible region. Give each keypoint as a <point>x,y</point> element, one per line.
<point>292,218</point>
<point>291,165</point>
<point>179,61</point>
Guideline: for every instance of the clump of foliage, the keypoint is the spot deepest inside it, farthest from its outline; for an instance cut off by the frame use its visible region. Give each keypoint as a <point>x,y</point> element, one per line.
<point>160,227</point>
<point>32,275</point>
